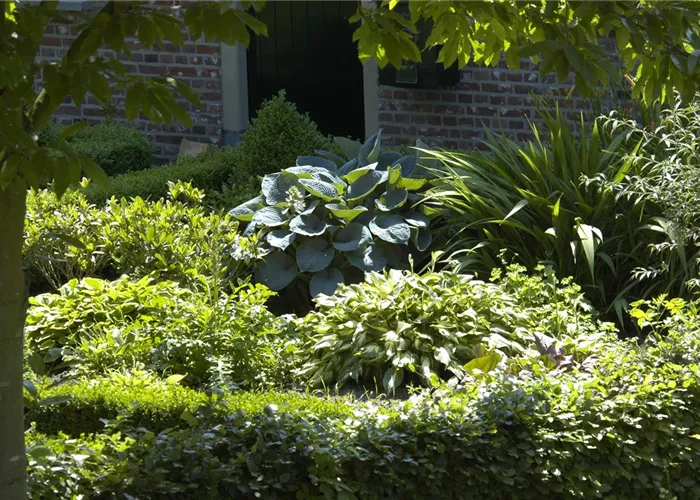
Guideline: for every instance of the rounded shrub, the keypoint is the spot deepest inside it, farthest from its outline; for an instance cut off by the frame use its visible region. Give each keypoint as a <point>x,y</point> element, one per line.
<point>277,135</point>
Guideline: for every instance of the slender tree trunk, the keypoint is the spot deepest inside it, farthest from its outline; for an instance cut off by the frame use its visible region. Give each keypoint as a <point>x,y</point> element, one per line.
<point>12,314</point>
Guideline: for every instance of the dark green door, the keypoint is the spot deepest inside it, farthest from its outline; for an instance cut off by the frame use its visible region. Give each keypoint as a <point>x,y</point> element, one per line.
<point>310,54</point>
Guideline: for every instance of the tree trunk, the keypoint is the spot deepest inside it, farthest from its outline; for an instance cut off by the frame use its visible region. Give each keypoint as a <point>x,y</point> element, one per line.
<point>12,314</point>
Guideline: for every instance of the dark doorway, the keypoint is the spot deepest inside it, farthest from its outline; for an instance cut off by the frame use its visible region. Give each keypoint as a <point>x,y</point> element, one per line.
<point>310,54</point>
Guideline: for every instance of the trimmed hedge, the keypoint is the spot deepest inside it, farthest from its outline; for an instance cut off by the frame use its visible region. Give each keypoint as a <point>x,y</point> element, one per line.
<point>207,171</point>
<point>158,405</point>
<point>624,426</point>
<point>116,147</point>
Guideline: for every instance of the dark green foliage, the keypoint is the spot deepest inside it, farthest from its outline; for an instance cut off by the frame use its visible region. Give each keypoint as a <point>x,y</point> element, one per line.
<point>563,200</point>
<point>207,171</point>
<point>145,401</point>
<point>277,135</point>
<point>401,327</point>
<point>213,338</point>
<point>115,147</point>
<point>625,427</point>
<point>329,219</point>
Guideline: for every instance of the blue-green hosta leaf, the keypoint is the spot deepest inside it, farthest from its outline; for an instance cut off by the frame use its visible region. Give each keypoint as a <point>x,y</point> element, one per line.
<point>339,162</point>
<point>324,190</point>
<point>348,167</point>
<point>417,219</point>
<point>387,158</point>
<point>277,271</point>
<point>246,211</point>
<point>352,237</point>
<point>331,178</point>
<point>366,184</point>
<point>443,355</point>
<point>392,379</point>
<point>276,186</point>
<point>408,165</point>
<point>314,254</point>
<point>325,282</point>
<point>355,174</point>
<point>310,208</point>
<point>391,228</point>
<point>308,225</point>
<point>317,161</point>
<point>349,147</point>
<point>369,259</point>
<point>269,217</point>
<point>305,171</point>
<point>483,365</point>
<point>369,152</point>
<point>421,238</point>
<point>344,212</point>
<point>280,238</point>
<point>392,200</point>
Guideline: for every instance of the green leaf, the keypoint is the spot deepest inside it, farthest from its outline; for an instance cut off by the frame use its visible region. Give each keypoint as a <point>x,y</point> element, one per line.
<point>417,219</point>
<point>308,225</point>
<point>325,282</point>
<point>321,189</point>
<point>72,130</point>
<point>56,400</point>
<point>275,187</point>
<point>587,235</point>
<point>355,174</point>
<point>366,184</point>
<point>270,217</point>
<point>174,379</point>
<point>443,356</point>
<point>95,172</point>
<point>369,259</point>
<point>314,254</point>
<point>344,212</point>
<point>352,237</point>
<point>483,365</point>
<point>392,200</point>
<point>318,162</point>
<point>30,387</point>
<point>277,271</point>
<point>350,148</point>
<point>280,238</point>
<point>421,238</point>
<point>391,228</point>
<point>369,152</point>
<point>258,27</point>
<point>246,211</point>
<point>392,379</point>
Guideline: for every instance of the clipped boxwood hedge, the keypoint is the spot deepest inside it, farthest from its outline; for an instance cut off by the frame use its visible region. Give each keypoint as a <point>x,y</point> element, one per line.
<point>624,426</point>
<point>207,171</point>
<point>116,147</point>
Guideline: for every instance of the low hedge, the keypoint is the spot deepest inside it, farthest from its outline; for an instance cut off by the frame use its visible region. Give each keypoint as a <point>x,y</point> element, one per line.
<point>116,147</point>
<point>622,426</point>
<point>87,404</point>
<point>207,171</point>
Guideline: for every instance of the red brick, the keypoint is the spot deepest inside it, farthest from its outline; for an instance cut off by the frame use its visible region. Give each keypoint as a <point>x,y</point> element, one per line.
<point>449,121</point>
<point>401,118</point>
<point>466,98</point>
<point>207,49</point>
<point>149,69</point>
<point>449,97</point>
<point>434,120</point>
<point>418,119</point>
<point>52,41</point>
<point>400,94</point>
<point>182,71</point>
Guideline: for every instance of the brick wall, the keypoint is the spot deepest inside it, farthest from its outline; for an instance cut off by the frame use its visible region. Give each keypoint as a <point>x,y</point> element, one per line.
<point>455,117</point>
<point>197,63</point>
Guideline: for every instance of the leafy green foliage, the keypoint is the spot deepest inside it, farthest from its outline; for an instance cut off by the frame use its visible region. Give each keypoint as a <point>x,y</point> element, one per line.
<point>657,43</point>
<point>624,426</point>
<point>115,147</point>
<point>402,326</point>
<point>211,337</point>
<point>207,171</point>
<point>668,161</point>
<point>69,238</point>
<point>328,218</point>
<point>277,135</point>
<point>562,200</point>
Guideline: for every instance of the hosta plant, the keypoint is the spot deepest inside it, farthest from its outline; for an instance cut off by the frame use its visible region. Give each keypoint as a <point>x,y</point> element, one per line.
<point>403,327</point>
<point>327,217</point>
